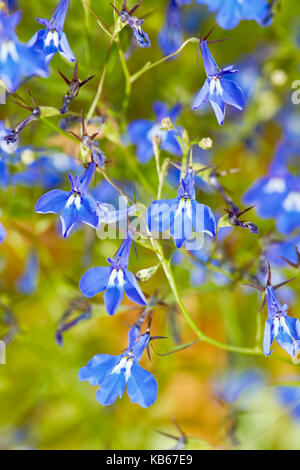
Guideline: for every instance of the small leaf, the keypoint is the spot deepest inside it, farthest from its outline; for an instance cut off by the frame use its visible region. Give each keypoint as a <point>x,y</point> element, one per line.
<point>48,111</point>
<point>224,222</point>
<point>145,274</point>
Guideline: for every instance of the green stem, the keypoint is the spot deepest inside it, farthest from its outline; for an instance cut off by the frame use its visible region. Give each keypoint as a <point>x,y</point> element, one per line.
<point>150,65</point>
<point>127,76</point>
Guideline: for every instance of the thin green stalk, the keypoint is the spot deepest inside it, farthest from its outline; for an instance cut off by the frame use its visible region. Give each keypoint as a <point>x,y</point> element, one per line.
<point>126,74</point>
<point>151,65</point>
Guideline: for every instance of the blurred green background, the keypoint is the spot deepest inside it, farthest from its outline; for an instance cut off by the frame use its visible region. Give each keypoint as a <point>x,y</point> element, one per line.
<point>42,403</point>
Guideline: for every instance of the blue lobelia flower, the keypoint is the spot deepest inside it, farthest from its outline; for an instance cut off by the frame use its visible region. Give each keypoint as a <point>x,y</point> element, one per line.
<point>290,397</point>
<point>52,39</point>
<point>74,207</point>
<point>218,88</point>
<point>17,60</point>
<point>27,282</point>
<point>170,36</point>
<point>134,23</point>
<point>286,251</point>
<point>114,280</point>
<point>231,12</point>
<point>238,386</point>
<point>280,326</point>
<point>114,373</point>
<point>180,3</point>
<point>142,131</point>
<point>182,214</point>
<point>2,233</point>
<point>46,171</point>
<point>277,195</point>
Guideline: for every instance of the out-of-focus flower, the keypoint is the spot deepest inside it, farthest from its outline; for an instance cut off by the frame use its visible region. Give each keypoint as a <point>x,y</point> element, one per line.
<point>114,373</point>
<point>46,171</point>
<point>278,194</point>
<point>52,39</point>
<point>142,131</point>
<point>218,89</point>
<point>2,233</point>
<point>114,280</point>
<point>27,283</point>
<point>231,12</point>
<point>290,397</point>
<point>238,386</point>
<point>279,251</point>
<point>182,214</point>
<point>170,36</point>
<point>17,60</point>
<point>74,207</point>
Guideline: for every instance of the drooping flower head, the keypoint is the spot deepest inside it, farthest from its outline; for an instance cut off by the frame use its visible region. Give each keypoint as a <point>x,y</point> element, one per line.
<point>114,373</point>
<point>17,60</point>
<point>182,214</point>
<point>114,280</point>
<point>135,23</point>
<point>52,39</point>
<point>279,325</point>
<point>218,88</point>
<point>231,12</point>
<point>74,207</point>
<point>142,131</point>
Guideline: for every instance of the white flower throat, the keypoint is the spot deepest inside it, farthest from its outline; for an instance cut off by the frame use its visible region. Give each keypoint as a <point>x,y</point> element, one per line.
<point>116,277</point>
<point>215,84</point>
<point>8,48</point>
<point>124,364</point>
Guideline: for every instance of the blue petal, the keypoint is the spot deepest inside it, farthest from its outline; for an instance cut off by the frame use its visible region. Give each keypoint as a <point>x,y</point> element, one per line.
<point>2,233</point>
<point>268,201</point>
<point>112,388</point>
<point>211,68</point>
<point>97,368</point>
<point>65,49</point>
<point>159,215</point>
<point>88,211</point>
<point>95,280</point>
<point>141,386</point>
<point>52,202</point>
<point>232,94</point>
<point>113,296</point>
<point>171,144</point>
<point>27,283</point>
<point>218,106</point>
<point>203,219</point>
<point>181,228</point>
<point>4,174</point>
<point>213,5</point>
<point>160,109</point>
<point>144,151</point>
<point>59,15</point>
<point>202,96</point>
<point>137,130</point>
<point>133,290</point>
<point>70,219</point>
<point>268,337</point>
<point>229,14</point>
<point>288,221</point>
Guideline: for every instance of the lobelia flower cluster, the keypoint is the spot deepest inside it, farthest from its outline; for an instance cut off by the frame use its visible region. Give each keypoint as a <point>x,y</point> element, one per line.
<point>183,217</point>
